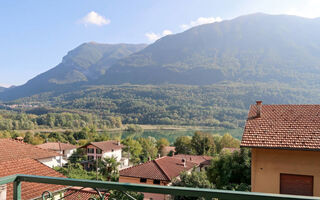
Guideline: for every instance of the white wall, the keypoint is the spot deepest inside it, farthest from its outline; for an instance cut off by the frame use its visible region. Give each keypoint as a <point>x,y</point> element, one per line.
<point>51,162</point>
<point>69,152</point>
<point>3,192</point>
<point>117,154</point>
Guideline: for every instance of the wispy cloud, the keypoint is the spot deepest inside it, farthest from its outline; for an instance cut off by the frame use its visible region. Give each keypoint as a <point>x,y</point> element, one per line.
<point>94,19</point>
<point>155,36</point>
<point>200,21</point>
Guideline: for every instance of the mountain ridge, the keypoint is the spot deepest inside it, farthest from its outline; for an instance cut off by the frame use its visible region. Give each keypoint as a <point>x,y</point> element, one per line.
<point>256,48</point>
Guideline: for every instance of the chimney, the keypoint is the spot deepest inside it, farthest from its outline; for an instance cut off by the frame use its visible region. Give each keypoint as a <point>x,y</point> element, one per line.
<point>259,108</point>
<point>184,162</point>
<point>118,143</point>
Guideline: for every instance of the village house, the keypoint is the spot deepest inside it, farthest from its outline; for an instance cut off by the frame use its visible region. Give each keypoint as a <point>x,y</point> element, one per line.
<point>202,162</point>
<point>104,149</point>
<point>162,171</point>
<point>13,149</point>
<point>285,144</point>
<point>64,149</point>
<point>28,190</point>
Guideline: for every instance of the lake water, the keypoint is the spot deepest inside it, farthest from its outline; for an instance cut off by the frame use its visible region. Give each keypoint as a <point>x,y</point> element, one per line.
<point>171,135</point>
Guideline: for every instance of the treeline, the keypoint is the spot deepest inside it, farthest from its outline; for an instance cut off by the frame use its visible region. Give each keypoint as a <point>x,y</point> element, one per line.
<point>13,120</point>
<point>221,105</point>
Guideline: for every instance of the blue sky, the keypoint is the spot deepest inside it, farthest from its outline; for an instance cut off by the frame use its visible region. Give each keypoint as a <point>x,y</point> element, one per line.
<point>36,34</point>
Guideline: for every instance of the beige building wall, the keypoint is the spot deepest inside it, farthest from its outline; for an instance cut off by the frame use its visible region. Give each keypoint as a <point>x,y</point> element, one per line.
<point>267,164</point>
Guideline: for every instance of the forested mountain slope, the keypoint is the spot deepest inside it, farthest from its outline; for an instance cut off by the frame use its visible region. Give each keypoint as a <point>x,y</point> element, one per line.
<point>252,48</point>
<point>81,65</point>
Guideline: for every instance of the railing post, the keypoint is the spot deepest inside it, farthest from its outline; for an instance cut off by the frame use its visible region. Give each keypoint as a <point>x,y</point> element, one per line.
<point>17,190</point>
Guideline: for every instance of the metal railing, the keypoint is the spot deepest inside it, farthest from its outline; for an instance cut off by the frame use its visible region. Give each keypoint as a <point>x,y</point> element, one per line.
<point>170,190</point>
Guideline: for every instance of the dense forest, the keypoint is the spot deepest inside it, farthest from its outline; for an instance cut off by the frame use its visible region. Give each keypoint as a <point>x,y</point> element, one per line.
<point>223,105</point>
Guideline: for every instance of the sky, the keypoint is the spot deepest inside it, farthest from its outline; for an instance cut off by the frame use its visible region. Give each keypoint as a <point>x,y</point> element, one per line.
<point>36,34</point>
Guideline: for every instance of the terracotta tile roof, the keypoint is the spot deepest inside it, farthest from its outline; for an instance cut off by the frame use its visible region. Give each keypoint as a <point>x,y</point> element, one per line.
<point>106,146</point>
<point>76,193</point>
<point>164,169</point>
<point>30,167</point>
<point>199,160</point>
<point>13,149</point>
<point>57,146</point>
<point>283,126</point>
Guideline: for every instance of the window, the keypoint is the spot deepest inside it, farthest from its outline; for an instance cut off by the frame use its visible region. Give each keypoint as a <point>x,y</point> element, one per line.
<point>156,182</point>
<point>112,150</point>
<point>143,180</point>
<point>99,157</point>
<point>90,150</point>
<point>98,151</point>
<point>90,158</point>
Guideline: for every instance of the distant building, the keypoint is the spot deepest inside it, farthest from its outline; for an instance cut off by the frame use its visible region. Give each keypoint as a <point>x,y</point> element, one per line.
<point>161,171</point>
<point>202,162</point>
<point>79,193</point>
<point>64,149</point>
<point>167,150</point>
<point>14,149</point>
<point>104,149</point>
<point>285,144</point>
<point>28,190</point>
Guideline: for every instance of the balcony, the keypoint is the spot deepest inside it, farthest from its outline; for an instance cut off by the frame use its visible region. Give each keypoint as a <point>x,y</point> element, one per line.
<point>170,190</point>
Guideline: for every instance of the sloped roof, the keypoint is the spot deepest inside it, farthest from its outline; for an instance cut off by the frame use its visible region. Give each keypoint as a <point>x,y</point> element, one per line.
<point>13,149</point>
<point>284,127</point>
<point>76,193</point>
<point>31,167</point>
<point>164,168</point>
<point>199,160</point>
<point>57,146</point>
<point>107,146</point>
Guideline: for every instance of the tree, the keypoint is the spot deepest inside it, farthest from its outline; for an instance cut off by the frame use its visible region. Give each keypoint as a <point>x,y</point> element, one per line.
<point>183,145</point>
<point>109,168</point>
<point>194,180</point>
<point>28,138</point>
<point>228,141</point>
<point>203,143</point>
<point>149,149</point>
<point>231,170</point>
<point>134,148</point>
<point>162,142</point>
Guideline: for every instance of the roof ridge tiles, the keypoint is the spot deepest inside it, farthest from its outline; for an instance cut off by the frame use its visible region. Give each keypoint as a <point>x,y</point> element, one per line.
<point>162,170</point>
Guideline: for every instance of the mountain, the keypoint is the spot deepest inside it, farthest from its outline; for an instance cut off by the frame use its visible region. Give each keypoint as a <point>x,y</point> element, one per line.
<point>252,48</point>
<point>81,65</point>
<point>2,89</point>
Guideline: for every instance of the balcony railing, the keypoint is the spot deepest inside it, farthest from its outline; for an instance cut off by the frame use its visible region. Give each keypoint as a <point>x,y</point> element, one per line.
<point>177,191</point>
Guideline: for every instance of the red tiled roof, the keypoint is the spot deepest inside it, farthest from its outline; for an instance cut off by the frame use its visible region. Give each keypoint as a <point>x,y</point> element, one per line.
<point>56,146</point>
<point>107,146</point>
<point>13,149</point>
<point>283,126</point>
<point>76,193</point>
<point>194,158</point>
<point>164,168</point>
<point>30,167</point>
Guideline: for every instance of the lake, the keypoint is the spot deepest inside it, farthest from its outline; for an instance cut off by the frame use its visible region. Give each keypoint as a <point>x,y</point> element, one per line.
<point>171,135</point>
